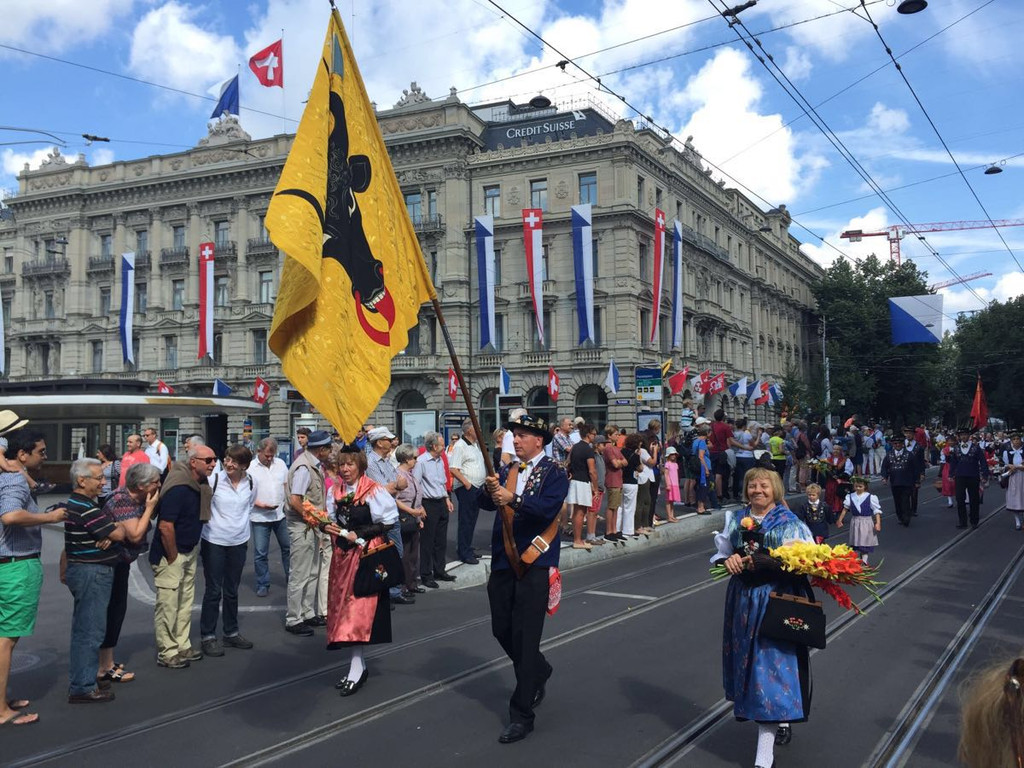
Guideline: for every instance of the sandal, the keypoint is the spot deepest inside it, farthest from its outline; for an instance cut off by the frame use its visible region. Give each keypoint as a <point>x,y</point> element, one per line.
<point>117,674</point>
<point>18,703</point>
<point>13,719</point>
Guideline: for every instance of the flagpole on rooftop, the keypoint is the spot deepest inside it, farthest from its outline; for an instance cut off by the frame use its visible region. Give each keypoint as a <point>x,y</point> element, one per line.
<point>457,367</point>
<point>284,101</point>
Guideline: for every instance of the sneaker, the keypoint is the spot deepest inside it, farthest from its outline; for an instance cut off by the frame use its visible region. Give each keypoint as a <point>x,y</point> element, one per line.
<point>175,662</point>
<point>299,629</point>
<point>612,537</point>
<point>237,641</point>
<point>262,591</point>
<point>191,654</point>
<point>212,647</point>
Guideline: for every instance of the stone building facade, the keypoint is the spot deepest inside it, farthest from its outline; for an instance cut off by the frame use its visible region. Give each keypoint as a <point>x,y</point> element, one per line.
<point>747,302</point>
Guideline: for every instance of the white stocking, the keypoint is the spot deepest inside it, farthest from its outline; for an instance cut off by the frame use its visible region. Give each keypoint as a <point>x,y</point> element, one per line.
<point>765,745</point>
<point>358,665</point>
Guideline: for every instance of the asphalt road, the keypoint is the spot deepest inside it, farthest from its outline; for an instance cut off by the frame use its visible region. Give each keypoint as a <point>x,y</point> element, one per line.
<point>636,650</point>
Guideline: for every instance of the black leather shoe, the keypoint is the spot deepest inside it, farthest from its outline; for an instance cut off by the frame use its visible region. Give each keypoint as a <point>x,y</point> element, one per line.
<point>347,687</point>
<point>95,697</point>
<point>515,732</point>
<point>783,735</point>
<point>316,621</point>
<point>443,577</point>
<point>470,560</point>
<point>541,692</point>
<point>298,629</point>
<point>417,590</point>
<point>430,583</point>
<point>404,600</point>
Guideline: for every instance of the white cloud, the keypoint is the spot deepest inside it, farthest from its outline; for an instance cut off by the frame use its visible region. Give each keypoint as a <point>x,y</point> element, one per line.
<point>169,48</point>
<point>874,220</point>
<point>1007,286</point>
<point>57,25</point>
<point>14,162</point>
<point>797,65</point>
<point>101,156</point>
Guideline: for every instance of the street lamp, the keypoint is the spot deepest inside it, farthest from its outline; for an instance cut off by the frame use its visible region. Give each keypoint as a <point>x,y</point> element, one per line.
<point>907,7</point>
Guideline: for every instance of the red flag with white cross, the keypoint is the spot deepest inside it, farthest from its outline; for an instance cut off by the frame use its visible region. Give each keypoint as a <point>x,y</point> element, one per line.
<point>268,65</point>
<point>453,385</point>
<point>553,382</point>
<point>164,389</point>
<point>261,391</point>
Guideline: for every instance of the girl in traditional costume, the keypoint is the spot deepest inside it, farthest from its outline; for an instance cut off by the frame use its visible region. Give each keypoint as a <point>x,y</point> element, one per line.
<point>865,520</point>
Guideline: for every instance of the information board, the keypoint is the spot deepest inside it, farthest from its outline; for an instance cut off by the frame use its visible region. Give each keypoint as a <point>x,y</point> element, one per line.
<point>648,385</point>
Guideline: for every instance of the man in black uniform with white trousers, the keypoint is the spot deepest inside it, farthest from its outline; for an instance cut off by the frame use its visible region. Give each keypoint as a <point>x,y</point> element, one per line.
<point>524,553</point>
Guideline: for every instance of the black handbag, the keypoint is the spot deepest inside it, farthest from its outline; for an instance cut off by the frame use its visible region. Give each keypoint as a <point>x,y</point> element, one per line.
<point>379,569</point>
<point>408,524</point>
<point>794,619</point>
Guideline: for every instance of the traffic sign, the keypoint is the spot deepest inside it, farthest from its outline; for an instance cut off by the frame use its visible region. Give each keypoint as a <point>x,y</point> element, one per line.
<point>648,384</point>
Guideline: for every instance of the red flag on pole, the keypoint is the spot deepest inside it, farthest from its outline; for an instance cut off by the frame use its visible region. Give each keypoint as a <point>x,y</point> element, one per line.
<point>979,410</point>
<point>553,382</point>
<point>164,389</point>
<point>206,300</point>
<point>268,65</point>
<point>261,391</point>
<point>453,385</point>
<point>716,384</point>
<point>677,381</point>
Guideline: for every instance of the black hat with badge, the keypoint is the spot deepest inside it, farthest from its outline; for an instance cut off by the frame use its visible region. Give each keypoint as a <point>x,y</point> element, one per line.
<point>533,425</point>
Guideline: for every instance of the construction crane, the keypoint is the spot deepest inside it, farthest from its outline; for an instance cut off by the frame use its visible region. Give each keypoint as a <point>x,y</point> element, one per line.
<point>959,280</point>
<point>897,232</point>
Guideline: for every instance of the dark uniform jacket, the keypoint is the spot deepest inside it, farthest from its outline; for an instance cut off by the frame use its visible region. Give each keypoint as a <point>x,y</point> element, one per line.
<point>542,497</point>
<point>903,468</point>
<point>971,464</point>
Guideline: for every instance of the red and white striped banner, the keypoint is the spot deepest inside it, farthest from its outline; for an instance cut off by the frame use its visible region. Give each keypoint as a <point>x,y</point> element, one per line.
<point>659,267</point>
<point>533,232</point>
<point>205,300</point>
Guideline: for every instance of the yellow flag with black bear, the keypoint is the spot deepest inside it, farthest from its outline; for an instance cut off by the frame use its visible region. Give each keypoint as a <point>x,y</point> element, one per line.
<point>354,276</point>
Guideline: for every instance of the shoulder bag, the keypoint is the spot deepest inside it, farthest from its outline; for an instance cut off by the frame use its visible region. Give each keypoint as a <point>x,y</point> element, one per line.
<point>379,569</point>
<point>794,619</point>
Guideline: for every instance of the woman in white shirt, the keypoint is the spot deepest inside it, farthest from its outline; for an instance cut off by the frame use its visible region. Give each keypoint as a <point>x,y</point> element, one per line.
<point>223,548</point>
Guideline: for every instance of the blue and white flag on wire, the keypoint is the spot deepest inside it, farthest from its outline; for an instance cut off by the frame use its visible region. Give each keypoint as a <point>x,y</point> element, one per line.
<point>775,391</point>
<point>220,389</point>
<point>487,273</point>
<point>127,306</point>
<point>677,284</point>
<point>612,379</point>
<point>916,319</point>
<point>739,388</point>
<point>227,97</point>
<point>755,389</point>
<point>504,382</point>
<point>583,263</point>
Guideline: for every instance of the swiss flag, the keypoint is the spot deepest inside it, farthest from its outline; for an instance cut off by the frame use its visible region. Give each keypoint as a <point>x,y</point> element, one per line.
<point>553,382</point>
<point>164,389</point>
<point>453,385</point>
<point>268,65</point>
<point>677,381</point>
<point>764,396</point>
<point>261,391</point>
<point>716,384</point>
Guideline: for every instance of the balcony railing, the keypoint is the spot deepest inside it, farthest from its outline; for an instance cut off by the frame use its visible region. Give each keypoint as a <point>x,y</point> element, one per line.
<point>8,277</point>
<point>226,250</point>
<point>428,223</point>
<point>174,257</point>
<point>143,260</point>
<point>705,243</point>
<point>588,356</point>
<point>537,358</point>
<point>55,266</point>
<point>488,361</point>
<point>100,264</point>
<point>260,246</point>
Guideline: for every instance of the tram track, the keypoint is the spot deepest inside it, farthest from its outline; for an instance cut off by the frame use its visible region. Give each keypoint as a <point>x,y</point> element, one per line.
<point>397,703</point>
<point>683,741</point>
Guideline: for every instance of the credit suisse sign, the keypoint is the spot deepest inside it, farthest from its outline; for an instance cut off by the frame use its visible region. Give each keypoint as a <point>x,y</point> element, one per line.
<point>558,127</point>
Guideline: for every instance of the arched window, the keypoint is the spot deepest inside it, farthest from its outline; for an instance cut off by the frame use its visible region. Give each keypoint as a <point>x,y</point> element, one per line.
<point>538,404</point>
<point>592,405</point>
<point>412,418</point>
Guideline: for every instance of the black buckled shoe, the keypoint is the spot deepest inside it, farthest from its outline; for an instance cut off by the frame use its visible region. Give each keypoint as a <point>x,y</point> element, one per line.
<point>515,732</point>
<point>783,735</point>
<point>346,687</point>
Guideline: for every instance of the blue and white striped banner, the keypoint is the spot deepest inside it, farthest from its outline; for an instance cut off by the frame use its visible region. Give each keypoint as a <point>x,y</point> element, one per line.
<point>127,305</point>
<point>677,285</point>
<point>504,381</point>
<point>583,262</point>
<point>485,269</point>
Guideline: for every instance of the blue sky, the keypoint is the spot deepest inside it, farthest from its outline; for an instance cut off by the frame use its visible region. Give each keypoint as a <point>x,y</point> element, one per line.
<point>963,67</point>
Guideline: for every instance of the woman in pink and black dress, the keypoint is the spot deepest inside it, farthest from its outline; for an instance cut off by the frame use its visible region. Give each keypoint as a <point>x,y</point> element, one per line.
<point>948,486</point>
<point>366,511</point>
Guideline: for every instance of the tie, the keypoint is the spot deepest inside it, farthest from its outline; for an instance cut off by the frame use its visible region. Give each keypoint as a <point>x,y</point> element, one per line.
<point>522,466</point>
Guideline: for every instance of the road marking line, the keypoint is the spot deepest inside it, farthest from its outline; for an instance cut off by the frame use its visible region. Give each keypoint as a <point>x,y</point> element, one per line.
<point>619,594</point>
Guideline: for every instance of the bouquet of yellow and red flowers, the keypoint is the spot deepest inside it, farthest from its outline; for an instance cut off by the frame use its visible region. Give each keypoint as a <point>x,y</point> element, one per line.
<point>827,567</point>
<point>313,516</point>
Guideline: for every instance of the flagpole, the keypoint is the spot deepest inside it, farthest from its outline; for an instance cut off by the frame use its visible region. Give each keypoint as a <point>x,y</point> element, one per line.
<point>284,101</point>
<point>457,367</point>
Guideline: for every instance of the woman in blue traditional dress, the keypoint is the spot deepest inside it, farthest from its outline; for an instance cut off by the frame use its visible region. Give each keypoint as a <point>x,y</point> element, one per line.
<point>767,680</point>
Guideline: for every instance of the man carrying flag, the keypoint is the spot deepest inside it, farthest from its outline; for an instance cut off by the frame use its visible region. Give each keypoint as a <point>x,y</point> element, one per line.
<point>345,306</point>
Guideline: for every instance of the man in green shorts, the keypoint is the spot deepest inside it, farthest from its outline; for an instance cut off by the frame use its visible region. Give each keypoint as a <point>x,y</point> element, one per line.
<point>21,570</point>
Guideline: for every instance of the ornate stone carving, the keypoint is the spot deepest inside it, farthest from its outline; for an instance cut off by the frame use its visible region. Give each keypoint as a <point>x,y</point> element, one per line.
<point>456,170</point>
<point>49,182</point>
<point>219,156</point>
<point>223,130</point>
<point>412,95</point>
<point>139,168</point>
<point>176,164</point>
<point>513,196</point>
<point>412,123</point>
<point>562,190</point>
<point>104,175</point>
<point>54,158</point>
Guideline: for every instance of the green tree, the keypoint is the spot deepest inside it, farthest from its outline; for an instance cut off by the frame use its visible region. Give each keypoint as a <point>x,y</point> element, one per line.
<point>874,378</point>
<point>991,344</point>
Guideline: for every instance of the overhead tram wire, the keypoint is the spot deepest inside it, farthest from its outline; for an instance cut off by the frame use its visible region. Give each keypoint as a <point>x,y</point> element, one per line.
<point>861,79</point>
<point>819,122</point>
<point>938,134</point>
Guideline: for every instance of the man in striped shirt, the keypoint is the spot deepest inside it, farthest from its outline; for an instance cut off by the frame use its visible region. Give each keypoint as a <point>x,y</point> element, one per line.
<point>89,573</point>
